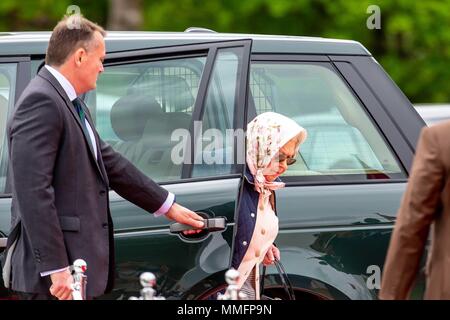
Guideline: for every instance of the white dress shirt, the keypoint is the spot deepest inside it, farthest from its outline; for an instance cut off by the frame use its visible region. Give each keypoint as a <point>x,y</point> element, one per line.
<point>70,91</point>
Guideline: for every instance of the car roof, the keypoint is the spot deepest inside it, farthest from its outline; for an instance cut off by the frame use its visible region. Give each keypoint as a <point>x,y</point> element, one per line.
<point>35,43</point>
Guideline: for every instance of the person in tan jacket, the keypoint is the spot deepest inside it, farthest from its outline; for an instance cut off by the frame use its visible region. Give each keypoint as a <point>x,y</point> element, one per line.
<point>424,210</point>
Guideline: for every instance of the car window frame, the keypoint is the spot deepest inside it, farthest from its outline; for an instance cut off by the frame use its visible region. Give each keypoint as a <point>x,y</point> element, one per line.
<point>209,50</point>
<point>393,141</point>
<point>23,77</point>
<point>93,107</point>
<point>355,70</point>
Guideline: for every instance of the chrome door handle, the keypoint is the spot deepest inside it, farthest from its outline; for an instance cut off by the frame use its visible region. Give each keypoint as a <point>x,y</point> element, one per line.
<point>211,225</point>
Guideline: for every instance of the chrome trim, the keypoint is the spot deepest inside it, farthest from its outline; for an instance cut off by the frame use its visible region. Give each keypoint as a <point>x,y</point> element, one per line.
<point>198,29</point>
<point>123,233</point>
<point>335,229</point>
<point>3,242</point>
<point>180,188</point>
<point>120,234</point>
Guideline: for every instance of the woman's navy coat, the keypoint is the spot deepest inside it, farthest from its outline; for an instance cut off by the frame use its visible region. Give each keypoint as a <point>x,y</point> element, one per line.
<point>246,218</point>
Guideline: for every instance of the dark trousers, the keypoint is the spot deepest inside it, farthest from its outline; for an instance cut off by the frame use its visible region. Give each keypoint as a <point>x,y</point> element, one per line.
<point>34,296</point>
<point>39,296</point>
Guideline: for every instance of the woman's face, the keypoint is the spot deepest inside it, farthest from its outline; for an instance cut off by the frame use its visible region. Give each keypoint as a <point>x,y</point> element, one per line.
<point>278,165</point>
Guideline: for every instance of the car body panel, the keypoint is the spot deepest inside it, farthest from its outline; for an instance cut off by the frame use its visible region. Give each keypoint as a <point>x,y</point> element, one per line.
<point>144,242</point>
<point>334,233</point>
<point>35,43</point>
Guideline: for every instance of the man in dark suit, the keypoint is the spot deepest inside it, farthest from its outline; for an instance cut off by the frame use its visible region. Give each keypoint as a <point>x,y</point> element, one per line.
<point>61,171</point>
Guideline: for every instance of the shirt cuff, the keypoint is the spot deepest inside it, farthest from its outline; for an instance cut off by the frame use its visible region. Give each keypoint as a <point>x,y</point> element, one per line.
<point>47,273</point>
<point>166,205</point>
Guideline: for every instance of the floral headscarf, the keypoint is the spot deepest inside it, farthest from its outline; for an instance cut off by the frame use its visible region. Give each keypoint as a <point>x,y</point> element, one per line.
<point>266,134</point>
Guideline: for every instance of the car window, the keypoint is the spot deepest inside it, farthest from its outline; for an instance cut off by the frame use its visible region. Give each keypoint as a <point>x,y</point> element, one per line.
<point>7,93</point>
<point>138,106</point>
<point>216,156</point>
<point>36,65</point>
<point>342,140</point>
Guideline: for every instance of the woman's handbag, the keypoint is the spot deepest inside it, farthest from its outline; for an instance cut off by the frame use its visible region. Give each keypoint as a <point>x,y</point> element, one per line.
<point>287,285</point>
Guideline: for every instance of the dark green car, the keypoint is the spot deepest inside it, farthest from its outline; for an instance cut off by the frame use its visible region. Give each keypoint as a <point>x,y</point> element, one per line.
<point>339,205</point>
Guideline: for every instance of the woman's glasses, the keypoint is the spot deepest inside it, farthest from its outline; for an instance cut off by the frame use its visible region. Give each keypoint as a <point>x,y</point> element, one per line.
<point>282,157</point>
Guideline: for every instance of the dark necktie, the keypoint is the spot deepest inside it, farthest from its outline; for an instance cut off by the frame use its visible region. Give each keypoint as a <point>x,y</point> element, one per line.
<point>78,106</point>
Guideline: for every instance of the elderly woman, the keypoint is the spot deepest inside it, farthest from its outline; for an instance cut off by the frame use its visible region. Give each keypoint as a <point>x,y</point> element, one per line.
<point>273,141</point>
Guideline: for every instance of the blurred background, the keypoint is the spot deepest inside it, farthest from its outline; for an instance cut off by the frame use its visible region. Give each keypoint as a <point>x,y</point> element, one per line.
<point>413,43</point>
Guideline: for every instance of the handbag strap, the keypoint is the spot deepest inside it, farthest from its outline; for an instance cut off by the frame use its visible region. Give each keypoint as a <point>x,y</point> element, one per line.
<point>282,271</point>
<point>287,285</point>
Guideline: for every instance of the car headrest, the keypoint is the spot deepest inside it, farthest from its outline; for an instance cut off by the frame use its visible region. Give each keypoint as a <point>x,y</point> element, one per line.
<point>177,92</point>
<point>129,115</point>
<point>159,130</point>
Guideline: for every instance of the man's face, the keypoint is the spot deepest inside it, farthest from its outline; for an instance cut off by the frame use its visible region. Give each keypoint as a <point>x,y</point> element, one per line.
<point>91,64</point>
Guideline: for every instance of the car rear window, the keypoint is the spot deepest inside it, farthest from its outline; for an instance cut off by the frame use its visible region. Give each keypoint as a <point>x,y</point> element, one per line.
<point>342,139</point>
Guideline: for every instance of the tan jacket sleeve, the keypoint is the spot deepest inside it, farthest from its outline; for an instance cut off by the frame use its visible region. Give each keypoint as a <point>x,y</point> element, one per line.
<point>418,207</point>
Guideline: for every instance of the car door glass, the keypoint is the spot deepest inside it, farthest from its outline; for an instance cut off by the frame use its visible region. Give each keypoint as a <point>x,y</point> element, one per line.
<point>342,140</point>
<point>217,142</point>
<point>7,93</point>
<point>138,106</point>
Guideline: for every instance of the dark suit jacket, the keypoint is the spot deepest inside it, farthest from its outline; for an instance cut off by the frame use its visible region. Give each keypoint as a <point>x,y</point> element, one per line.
<point>60,191</point>
<point>424,210</point>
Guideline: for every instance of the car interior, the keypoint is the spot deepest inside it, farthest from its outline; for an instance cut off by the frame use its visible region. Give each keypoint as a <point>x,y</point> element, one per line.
<point>341,138</point>
<point>145,128</point>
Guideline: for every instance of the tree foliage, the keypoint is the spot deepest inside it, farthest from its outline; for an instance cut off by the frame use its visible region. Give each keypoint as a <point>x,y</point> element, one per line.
<point>413,44</point>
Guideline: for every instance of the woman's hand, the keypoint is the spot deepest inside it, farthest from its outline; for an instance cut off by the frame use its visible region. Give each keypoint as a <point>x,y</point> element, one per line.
<point>270,256</point>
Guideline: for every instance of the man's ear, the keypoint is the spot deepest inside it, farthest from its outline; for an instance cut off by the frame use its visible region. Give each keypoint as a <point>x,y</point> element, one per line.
<point>79,56</point>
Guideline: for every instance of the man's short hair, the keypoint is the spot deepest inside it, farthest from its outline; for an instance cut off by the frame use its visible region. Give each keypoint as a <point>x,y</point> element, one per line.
<point>71,33</point>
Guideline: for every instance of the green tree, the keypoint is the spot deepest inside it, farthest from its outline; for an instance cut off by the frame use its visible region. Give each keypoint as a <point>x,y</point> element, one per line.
<point>413,44</point>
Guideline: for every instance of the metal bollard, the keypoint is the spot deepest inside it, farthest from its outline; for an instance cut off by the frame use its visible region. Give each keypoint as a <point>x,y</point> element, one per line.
<point>148,282</point>
<point>232,292</point>
<point>79,280</point>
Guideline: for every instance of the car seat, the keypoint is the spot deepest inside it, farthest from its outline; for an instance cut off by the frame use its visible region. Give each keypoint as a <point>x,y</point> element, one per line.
<point>129,117</point>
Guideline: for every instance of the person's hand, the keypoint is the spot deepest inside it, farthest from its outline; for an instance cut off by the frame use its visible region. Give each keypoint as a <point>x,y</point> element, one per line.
<point>61,286</point>
<point>270,256</point>
<point>185,216</point>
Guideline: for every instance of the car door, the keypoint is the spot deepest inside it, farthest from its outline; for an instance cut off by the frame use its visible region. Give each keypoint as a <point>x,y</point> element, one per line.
<point>14,76</point>
<point>165,109</point>
<point>339,205</point>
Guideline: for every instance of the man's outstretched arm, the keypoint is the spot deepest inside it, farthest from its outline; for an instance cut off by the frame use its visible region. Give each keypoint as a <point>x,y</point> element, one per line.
<point>130,183</point>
